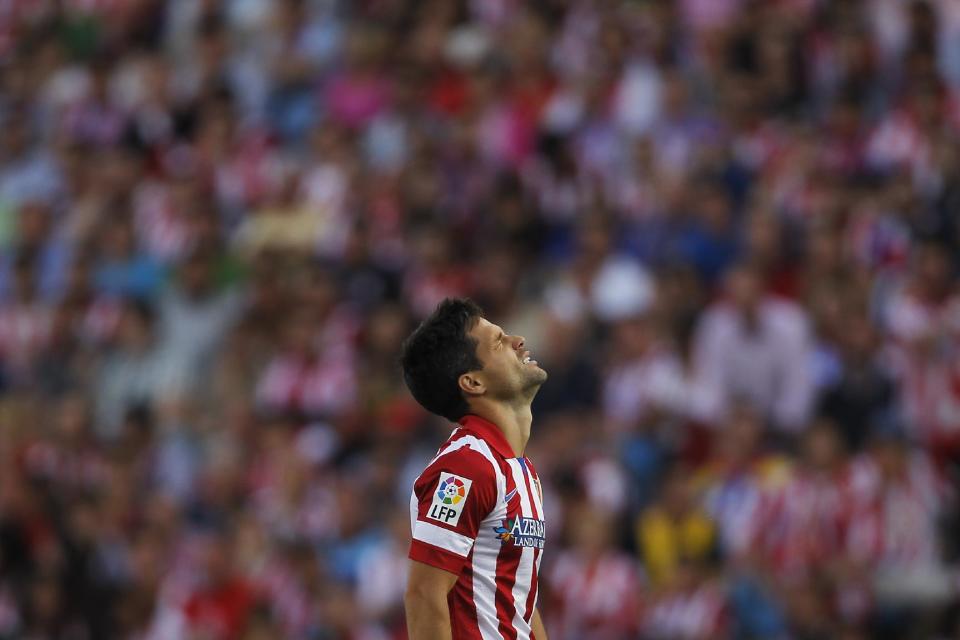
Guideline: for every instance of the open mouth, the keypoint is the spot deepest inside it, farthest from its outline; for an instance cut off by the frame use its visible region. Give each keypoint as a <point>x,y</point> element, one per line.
<point>526,359</point>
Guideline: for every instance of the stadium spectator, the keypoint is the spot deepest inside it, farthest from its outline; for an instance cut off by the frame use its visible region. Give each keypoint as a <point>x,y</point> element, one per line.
<point>757,348</point>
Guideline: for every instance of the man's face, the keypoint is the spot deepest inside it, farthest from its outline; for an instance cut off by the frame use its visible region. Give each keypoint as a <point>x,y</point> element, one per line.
<point>744,288</point>
<point>508,370</point>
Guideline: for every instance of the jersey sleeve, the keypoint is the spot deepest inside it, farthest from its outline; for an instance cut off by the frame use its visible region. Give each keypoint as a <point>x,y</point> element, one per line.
<point>450,499</point>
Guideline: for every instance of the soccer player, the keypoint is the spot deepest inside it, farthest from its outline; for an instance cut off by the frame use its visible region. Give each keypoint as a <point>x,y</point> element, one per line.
<point>477,509</point>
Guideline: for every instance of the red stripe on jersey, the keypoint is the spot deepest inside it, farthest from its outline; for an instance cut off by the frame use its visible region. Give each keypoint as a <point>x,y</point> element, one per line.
<point>465,624</point>
<point>532,596</point>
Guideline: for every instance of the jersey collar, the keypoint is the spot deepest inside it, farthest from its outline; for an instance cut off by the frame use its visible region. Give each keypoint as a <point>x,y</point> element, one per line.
<point>489,432</point>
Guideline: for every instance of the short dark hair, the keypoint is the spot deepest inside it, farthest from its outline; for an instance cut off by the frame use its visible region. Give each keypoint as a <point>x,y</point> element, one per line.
<point>438,352</point>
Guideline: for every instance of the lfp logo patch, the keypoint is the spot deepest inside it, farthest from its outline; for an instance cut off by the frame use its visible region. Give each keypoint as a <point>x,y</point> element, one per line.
<point>449,498</point>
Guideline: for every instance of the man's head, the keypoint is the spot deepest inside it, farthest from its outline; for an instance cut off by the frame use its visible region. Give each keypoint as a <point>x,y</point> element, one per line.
<point>745,286</point>
<point>456,356</point>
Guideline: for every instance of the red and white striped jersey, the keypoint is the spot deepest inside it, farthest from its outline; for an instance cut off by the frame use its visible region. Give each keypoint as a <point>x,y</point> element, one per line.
<point>802,523</point>
<point>894,518</point>
<point>594,597</point>
<point>477,511</point>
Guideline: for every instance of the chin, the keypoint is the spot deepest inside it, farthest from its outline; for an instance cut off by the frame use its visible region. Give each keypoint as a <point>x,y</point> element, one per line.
<point>539,376</point>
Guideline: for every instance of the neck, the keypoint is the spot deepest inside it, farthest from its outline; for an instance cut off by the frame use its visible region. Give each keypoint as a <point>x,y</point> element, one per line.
<point>513,420</point>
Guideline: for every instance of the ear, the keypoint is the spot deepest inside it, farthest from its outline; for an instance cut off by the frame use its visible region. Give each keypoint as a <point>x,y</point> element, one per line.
<point>471,384</point>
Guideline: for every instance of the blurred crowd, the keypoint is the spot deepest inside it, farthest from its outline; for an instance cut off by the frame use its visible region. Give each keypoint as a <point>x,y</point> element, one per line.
<point>728,229</point>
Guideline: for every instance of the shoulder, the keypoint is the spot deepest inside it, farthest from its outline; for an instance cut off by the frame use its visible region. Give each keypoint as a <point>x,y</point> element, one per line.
<point>785,316</point>
<point>718,318</point>
<point>464,455</point>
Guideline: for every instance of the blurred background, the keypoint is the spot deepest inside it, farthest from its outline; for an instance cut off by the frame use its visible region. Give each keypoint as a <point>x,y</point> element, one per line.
<point>727,228</point>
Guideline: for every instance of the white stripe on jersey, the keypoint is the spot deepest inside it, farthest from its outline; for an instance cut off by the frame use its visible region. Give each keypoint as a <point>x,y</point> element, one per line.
<point>414,510</point>
<point>443,538</point>
<point>484,574</point>
<point>524,577</point>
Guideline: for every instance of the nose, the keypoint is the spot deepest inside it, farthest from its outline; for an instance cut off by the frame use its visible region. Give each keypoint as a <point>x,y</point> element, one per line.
<point>518,342</point>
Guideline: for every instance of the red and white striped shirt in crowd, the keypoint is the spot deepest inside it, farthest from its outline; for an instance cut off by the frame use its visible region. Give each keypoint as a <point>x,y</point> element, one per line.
<point>685,614</point>
<point>322,382</point>
<point>595,597</point>
<point>477,511</point>
<point>79,468</point>
<point>162,228</point>
<point>895,516</point>
<point>929,376</point>
<point>803,521</point>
